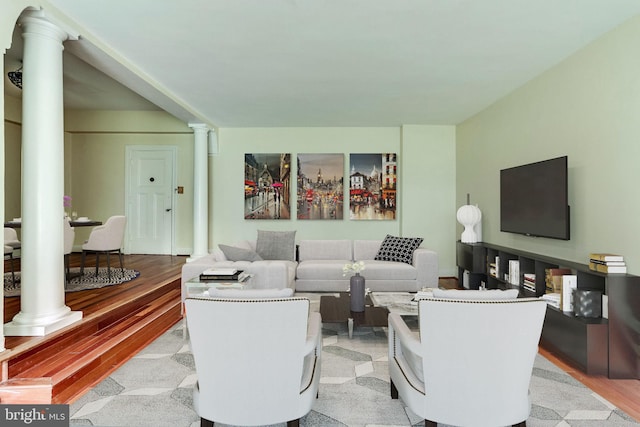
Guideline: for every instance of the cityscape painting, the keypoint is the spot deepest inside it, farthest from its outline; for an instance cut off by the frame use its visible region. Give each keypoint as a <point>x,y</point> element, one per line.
<point>373,180</point>
<point>267,186</point>
<point>320,189</point>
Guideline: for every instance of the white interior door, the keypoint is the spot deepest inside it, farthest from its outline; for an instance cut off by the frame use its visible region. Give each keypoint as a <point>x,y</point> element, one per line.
<point>150,201</point>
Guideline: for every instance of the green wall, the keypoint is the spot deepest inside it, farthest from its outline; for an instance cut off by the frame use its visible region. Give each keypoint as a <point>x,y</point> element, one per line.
<point>95,143</point>
<point>587,108</point>
<point>426,202</point>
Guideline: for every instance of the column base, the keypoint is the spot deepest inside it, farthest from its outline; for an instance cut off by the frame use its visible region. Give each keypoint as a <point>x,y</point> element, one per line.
<point>13,329</point>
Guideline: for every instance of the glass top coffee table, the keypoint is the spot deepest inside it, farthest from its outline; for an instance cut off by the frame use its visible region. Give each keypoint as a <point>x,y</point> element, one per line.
<point>337,309</point>
<point>197,288</point>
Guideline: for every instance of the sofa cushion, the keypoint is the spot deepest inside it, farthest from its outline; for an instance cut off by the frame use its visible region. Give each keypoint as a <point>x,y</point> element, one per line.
<point>322,269</point>
<point>387,270</point>
<point>399,249</point>
<point>325,250</point>
<point>491,294</point>
<point>278,245</point>
<point>365,249</point>
<point>233,253</point>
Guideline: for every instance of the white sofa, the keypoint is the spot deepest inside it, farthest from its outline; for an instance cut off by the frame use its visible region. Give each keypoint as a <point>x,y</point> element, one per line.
<point>319,267</point>
<point>321,262</point>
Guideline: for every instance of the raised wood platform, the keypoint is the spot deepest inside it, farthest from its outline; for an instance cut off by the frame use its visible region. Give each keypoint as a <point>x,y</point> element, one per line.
<point>118,321</point>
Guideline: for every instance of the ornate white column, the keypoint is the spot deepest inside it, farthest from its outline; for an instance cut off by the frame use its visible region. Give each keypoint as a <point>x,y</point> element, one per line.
<point>200,192</point>
<point>42,303</point>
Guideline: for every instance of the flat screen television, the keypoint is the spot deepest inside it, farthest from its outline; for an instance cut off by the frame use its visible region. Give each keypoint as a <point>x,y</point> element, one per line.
<point>534,199</point>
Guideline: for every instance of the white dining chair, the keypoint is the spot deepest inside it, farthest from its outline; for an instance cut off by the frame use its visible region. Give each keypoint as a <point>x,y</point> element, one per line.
<point>105,239</point>
<point>11,238</point>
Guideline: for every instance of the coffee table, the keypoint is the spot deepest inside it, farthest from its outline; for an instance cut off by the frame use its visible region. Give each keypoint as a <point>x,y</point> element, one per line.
<point>336,309</point>
<point>402,303</point>
<point>200,288</point>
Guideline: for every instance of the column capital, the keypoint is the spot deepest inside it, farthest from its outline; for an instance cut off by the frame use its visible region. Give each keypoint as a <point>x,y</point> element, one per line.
<point>198,127</point>
<point>35,22</point>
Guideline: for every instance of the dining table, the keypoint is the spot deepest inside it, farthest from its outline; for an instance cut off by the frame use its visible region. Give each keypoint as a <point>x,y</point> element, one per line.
<point>73,223</point>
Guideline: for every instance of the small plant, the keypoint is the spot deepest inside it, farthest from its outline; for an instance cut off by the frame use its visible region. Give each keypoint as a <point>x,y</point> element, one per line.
<point>355,267</point>
<point>66,201</point>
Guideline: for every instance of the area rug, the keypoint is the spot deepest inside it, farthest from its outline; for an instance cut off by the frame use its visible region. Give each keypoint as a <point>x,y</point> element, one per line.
<point>155,389</point>
<point>79,283</point>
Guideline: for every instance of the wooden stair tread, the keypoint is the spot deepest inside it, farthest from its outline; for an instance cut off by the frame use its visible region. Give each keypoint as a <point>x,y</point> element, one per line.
<point>93,345</point>
<point>90,328</point>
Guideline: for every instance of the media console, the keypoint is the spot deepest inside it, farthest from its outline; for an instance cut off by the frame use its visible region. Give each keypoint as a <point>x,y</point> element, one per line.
<point>599,346</point>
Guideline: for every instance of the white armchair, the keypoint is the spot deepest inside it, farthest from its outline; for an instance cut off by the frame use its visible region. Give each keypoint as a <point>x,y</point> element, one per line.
<point>257,359</point>
<point>471,363</point>
<point>105,239</point>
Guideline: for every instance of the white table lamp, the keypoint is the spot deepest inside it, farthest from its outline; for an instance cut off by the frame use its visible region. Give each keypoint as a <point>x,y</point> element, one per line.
<point>469,216</point>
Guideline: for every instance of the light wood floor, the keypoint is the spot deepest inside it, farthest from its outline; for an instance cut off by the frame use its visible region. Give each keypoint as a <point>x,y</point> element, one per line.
<point>625,394</point>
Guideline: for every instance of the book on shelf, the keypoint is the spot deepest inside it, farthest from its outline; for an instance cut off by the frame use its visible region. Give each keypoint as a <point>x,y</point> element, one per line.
<point>514,271</point>
<point>553,278</point>
<point>604,268</point>
<point>595,261</point>
<point>529,281</point>
<point>569,283</point>
<point>605,257</point>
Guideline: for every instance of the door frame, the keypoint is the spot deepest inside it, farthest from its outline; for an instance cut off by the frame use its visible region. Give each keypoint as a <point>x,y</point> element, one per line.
<point>129,150</point>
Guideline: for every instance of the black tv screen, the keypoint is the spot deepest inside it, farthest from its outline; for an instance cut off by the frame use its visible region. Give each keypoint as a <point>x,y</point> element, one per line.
<point>534,199</point>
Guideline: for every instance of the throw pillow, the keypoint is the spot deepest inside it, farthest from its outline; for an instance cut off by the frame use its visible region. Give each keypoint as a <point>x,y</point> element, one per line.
<point>233,253</point>
<point>398,249</point>
<point>492,294</point>
<point>279,245</point>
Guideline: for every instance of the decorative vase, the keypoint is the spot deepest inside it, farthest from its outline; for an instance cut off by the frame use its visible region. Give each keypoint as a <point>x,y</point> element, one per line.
<point>356,289</point>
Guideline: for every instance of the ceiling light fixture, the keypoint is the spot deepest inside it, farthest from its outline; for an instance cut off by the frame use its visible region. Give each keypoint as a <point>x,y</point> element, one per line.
<point>16,77</point>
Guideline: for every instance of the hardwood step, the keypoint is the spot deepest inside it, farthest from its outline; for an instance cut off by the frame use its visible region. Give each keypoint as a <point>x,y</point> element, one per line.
<point>81,356</point>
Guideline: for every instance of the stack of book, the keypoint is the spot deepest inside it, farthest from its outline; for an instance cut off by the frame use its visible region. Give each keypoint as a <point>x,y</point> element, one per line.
<point>529,282</point>
<point>553,299</point>
<point>553,279</point>
<point>493,268</point>
<point>222,275</point>
<point>607,263</point>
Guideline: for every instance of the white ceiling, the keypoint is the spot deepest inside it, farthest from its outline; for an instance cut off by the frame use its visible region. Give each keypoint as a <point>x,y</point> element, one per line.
<point>233,63</point>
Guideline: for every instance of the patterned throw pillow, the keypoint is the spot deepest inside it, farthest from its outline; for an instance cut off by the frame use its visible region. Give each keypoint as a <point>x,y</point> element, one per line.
<point>399,249</point>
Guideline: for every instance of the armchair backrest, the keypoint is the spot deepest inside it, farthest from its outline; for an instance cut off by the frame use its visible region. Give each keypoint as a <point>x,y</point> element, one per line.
<point>249,356</point>
<point>107,237</point>
<point>477,358</point>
